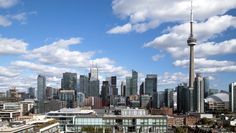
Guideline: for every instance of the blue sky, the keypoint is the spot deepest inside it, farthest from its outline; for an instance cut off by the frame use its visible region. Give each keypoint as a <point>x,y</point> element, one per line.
<point>149,36</point>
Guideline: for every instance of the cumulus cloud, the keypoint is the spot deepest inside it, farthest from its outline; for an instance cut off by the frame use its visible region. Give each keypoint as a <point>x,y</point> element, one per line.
<point>203,62</point>
<point>12,46</point>
<point>39,68</point>
<point>143,15</point>
<point>4,21</point>
<point>172,78</point>
<point>157,57</point>
<point>204,65</point>
<point>8,3</point>
<point>120,29</point>
<point>8,72</point>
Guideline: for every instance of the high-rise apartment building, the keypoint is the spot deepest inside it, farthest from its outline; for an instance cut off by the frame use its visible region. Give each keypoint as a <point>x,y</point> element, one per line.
<point>232,97</point>
<point>199,94</point>
<point>41,87</point>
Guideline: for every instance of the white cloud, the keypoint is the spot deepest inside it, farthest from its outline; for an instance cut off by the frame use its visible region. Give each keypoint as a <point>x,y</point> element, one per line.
<point>8,72</point>
<point>7,3</point>
<point>62,56</point>
<point>40,69</point>
<point>174,41</point>
<point>231,68</point>
<point>120,29</point>
<point>143,15</point>
<point>172,78</point>
<point>157,57</point>
<point>204,65</point>
<point>203,62</point>
<point>12,46</point>
<point>4,21</point>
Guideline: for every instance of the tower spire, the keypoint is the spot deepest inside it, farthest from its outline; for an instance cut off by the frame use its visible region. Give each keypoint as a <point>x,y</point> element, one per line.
<point>191,43</point>
<point>191,19</point>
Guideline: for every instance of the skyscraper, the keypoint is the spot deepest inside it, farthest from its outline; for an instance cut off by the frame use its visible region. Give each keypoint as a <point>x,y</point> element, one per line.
<point>169,101</point>
<point>84,84</point>
<point>182,98</point>
<point>232,97</point>
<point>141,89</point>
<point>122,87</point>
<point>105,93</point>
<point>93,88</point>
<point>199,94</point>
<point>41,87</point>
<point>191,43</point>
<point>128,86</point>
<point>31,92</point>
<point>69,81</point>
<point>206,86</point>
<point>134,83</point>
<point>113,86</point>
<point>93,75</point>
<point>150,84</point>
<point>93,82</point>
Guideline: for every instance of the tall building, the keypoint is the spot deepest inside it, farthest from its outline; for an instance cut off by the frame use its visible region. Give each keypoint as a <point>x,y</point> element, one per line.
<point>69,81</point>
<point>122,87</point>
<point>84,85</point>
<point>41,87</point>
<point>128,86</point>
<point>206,86</point>
<point>150,84</point>
<point>158,99</point>
<point>105,93</point>
<point>191,43</point>
<point>113,86</point>
<point>199,94</point>
<point>182,98</point>
<point>93,88</point>
<point>69,96</point>
<point>141,89</point>
<point>232,97</point>
<point>134,83</point>
<point>169,98</point>
<point>93,75</point>
<point>31,92</point>
<point>49,92</point>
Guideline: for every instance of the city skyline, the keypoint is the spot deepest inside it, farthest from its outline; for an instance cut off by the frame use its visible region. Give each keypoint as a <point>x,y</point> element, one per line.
<point>117,36</point>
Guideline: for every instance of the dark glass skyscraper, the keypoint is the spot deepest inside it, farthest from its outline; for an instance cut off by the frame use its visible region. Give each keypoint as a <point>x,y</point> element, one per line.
<point>105,93</point>
<point>150,84</point>
<point>69,81</point>
<point>182,98</point>
<point>84,84</point>
<point>206,86</point>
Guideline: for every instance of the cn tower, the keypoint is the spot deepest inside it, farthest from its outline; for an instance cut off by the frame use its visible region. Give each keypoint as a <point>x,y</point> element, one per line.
<point>191,43</point>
